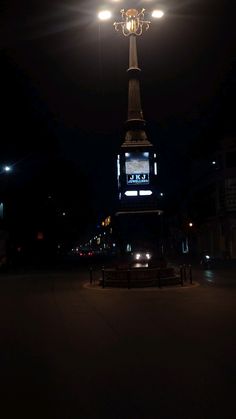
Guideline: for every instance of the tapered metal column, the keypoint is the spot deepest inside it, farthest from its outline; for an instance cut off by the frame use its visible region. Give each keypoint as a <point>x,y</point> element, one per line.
<point>134,99</point>
<point>135,133</point>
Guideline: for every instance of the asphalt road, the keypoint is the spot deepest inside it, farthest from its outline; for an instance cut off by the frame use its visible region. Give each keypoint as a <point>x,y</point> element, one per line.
<point>69,351</point>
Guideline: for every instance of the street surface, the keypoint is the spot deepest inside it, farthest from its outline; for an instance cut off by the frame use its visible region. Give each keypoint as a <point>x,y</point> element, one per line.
<point>70,351</point>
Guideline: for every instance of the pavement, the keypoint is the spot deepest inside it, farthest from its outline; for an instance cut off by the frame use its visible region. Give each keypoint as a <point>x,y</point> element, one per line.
<point>70,350</point>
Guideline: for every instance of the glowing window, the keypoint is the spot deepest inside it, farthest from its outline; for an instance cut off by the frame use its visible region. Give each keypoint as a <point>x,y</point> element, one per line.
<point>131,193</point>
<point>145,193</point>
<point>155,168</point>
<point>118,167</point>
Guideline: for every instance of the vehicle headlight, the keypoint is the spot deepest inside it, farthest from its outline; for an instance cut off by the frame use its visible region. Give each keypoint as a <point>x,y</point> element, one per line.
<point>137,256</point>
<point>148,256</point>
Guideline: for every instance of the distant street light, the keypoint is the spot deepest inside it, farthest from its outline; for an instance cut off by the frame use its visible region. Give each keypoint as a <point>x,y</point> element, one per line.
<point>4,169</point>
<point>7,168</point>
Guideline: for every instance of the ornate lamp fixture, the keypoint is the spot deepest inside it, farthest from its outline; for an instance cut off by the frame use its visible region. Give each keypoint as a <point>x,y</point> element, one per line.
<point>132,22</point>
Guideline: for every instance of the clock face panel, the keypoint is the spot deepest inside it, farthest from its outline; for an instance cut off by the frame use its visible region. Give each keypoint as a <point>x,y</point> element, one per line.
<point>137,168</point>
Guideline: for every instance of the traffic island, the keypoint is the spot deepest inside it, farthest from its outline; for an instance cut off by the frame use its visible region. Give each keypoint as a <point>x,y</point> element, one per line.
<point>132,277</point>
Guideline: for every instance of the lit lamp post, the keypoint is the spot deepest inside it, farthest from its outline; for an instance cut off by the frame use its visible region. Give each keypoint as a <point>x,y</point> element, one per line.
<point>137,222</point>
<point>5,170</point>
<point>137,160</point>
<point>132,26</point>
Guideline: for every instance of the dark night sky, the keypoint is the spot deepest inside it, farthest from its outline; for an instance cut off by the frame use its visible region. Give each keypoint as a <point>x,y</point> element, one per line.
<point>64,85</point>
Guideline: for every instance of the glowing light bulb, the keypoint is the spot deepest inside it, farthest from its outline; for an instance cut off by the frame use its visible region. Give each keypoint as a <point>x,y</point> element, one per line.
<point>157,14</point>
<point>104,15</point>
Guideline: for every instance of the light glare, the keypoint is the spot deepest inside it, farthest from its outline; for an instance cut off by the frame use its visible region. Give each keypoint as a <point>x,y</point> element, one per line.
<point>157,14</point>
<point>104,15</point>
<point>7,168</point>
